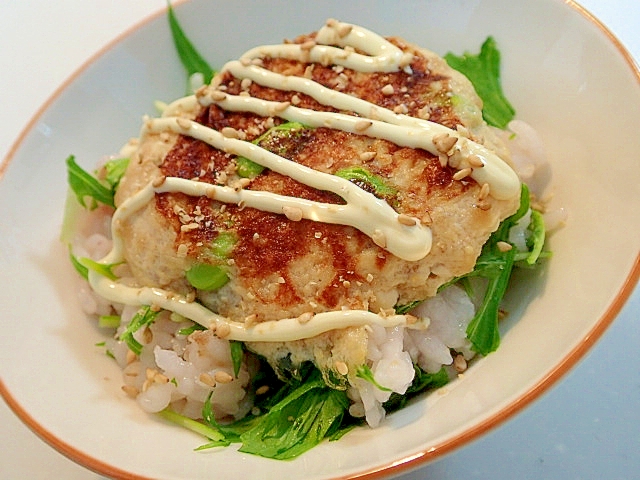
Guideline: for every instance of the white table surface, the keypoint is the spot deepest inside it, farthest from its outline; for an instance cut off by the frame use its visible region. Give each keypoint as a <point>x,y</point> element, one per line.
<point>585,427</point>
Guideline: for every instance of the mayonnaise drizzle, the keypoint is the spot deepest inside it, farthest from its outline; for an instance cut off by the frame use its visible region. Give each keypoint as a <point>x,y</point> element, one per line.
<point>334,44</point>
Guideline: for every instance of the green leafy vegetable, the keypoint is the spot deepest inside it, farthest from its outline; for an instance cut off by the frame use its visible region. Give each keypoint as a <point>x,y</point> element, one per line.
<point>301,420</point>
<point>115,170</point>
<point>537,237</point>
<point>205,276</point>
<point>80,268</point>
<point>191,59</point>
<point>195,426</point>
<point>83,184</point>
<point>365,373</point>
<point>237,354</point>
<point>367,181</point>
<point>494,264</point>
<point>422,381</point>
<point>483,70</point>
<point>143,317</point>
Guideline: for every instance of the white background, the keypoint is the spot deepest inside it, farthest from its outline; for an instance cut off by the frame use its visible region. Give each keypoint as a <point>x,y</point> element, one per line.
<point>586,427</point>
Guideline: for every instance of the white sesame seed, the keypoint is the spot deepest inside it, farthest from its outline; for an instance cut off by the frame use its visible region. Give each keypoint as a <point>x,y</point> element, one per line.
<point>222,377</point>
<point>292,213</point>
<point>183,123</point>
<point>362,125</point>
<point>388,89</point>
<point>460,174</point>
<point>406,220</point>
<point>504,246</point>
<point>341,367</point>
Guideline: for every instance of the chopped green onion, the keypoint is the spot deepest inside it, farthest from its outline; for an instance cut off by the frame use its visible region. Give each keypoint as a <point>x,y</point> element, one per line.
<point>246,168</point>
<point>223,244</point>
<point>204,276</point>
<point>189,330</point>
<point>83,184</point>
<point>237,354</point>
<point>109,321</point>
<point>367,181</point>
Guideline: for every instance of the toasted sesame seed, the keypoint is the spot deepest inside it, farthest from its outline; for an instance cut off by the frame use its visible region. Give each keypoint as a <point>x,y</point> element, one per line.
<point>183,123</point>
<point>281,106</point>
<point>504,246</point>
<point>379,238</point>
<point>131,357</point>
<point>308,45</point>
<point>341,367</point>
<point>262,389</point>
<point>281,280</point>
<point>222,377</point>
<point>369,278</point>
<point>401,108</point>
<point>229,132</point>
<point>460,363</point>
<point>207,379</point>
<point>157,182</point>
<point>217,95</point>
<point>245,84</point>
<point>406,220</point>
<point>130,390</point>
<point>444,142</point>
<point>189,227</point>
<point>411,319</point>
<point>295,100</point>
<point>346,283</point>
<point>460,174</point>
<point>318,235</point>
<point>362,125</point>
<point>305,317</point>
<point>308,72</point>
<point>484,191</point>
<point>161,378</point>
<point>483,205</point>
<point>222,329</point>
<point>475,161</point>
<point>388,89</point>
<point>344,30</point>
<point>367,156</point>
<point>292,213</point>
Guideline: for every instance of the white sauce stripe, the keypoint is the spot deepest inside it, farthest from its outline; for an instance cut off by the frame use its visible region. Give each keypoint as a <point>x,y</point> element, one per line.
<point>284,330</point>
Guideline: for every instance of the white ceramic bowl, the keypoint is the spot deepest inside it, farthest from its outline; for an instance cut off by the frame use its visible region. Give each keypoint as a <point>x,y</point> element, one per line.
<point>565,74</point>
